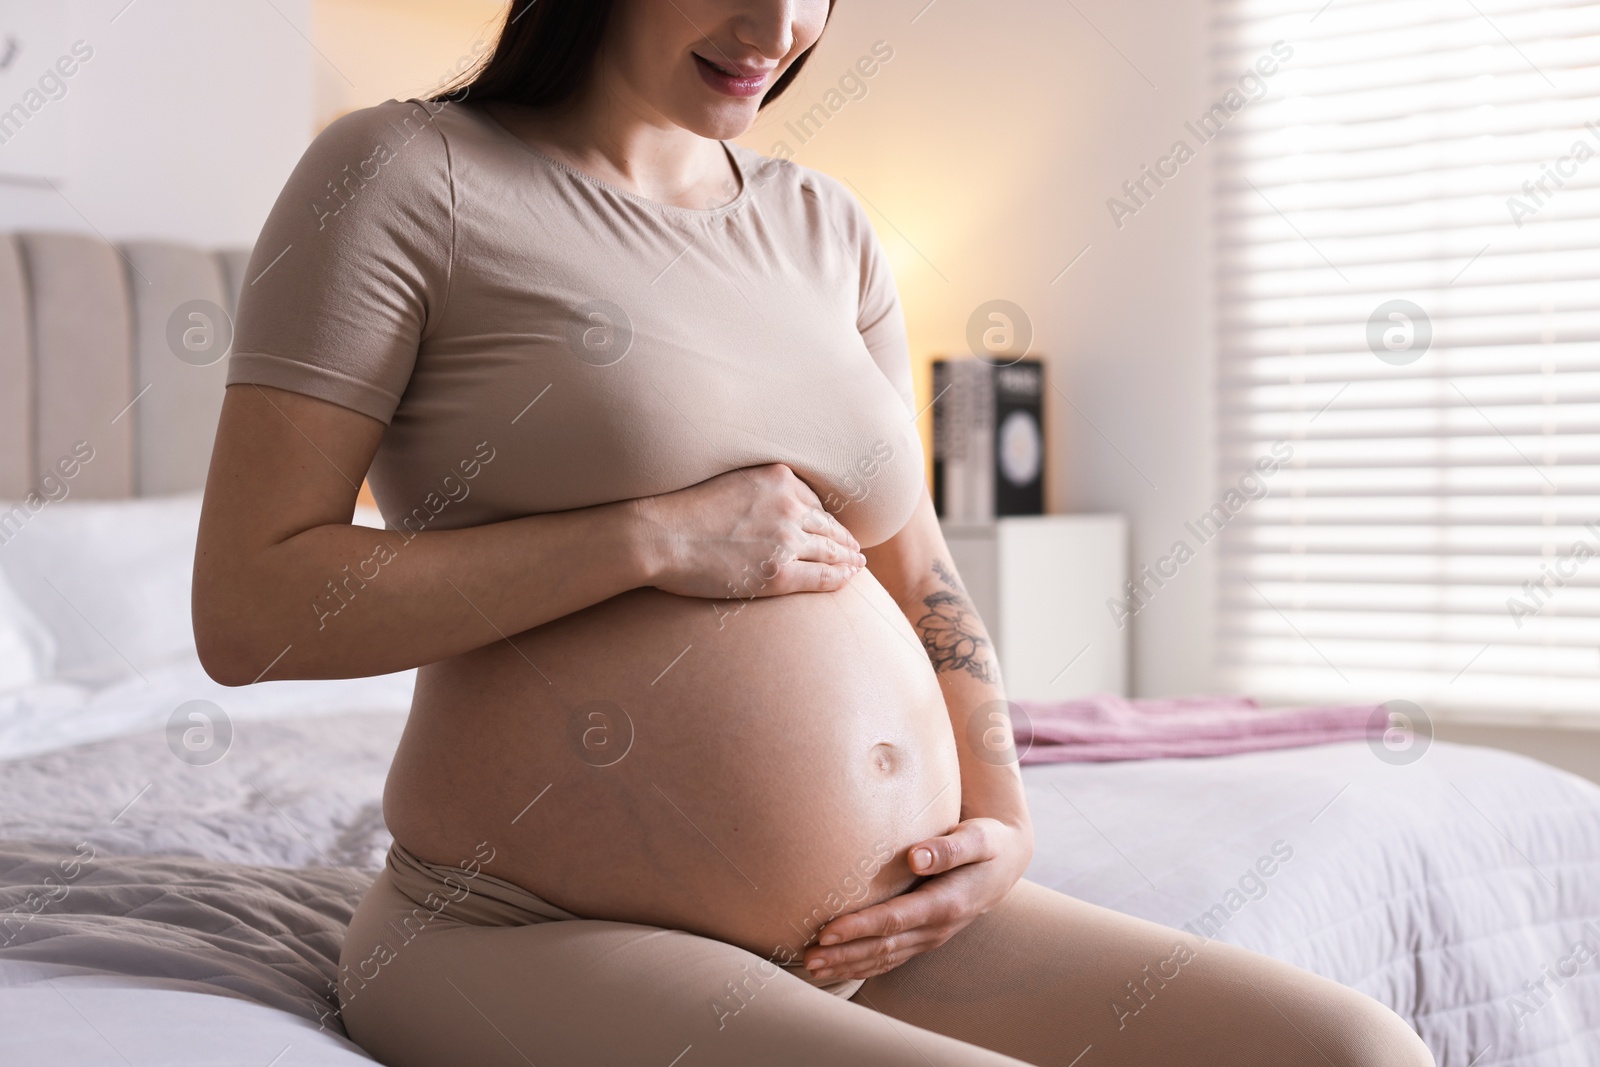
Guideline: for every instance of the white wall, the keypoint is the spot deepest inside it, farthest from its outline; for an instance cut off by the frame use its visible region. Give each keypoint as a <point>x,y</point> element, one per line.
<point>988,146</point>
<point>385,49</point>
<point>183,125</point>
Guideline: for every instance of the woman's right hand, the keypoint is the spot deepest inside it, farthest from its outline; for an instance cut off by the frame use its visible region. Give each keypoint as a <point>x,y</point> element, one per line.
<point>756,531</point>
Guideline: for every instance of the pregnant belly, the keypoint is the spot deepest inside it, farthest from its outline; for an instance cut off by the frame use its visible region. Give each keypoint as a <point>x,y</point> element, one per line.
<point>742,770</point>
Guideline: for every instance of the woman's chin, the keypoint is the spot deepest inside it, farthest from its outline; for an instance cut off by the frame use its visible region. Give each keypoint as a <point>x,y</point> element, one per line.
<point>720,119</point>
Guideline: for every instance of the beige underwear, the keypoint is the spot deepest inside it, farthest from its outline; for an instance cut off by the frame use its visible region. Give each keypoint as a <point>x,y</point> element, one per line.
<point>484,900</point>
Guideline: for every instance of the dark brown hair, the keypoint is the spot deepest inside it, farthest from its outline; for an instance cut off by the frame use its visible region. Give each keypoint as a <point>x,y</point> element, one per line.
<point>546,50</point>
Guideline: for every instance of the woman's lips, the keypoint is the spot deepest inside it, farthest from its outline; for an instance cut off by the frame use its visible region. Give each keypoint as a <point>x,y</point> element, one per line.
<point>729,84</point>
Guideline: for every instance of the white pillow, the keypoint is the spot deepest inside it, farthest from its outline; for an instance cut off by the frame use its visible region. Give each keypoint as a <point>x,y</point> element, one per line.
<point>110,580</point>
<point>27,650</point>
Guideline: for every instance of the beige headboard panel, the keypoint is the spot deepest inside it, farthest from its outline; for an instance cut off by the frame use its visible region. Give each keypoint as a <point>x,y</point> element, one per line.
<point>87,354</point>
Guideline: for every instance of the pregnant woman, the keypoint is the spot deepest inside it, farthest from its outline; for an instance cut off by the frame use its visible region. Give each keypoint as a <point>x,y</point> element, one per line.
<point>705,764</point>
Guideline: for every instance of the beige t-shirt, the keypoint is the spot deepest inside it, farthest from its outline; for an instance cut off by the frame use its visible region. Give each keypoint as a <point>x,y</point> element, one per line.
<point>538,340</point>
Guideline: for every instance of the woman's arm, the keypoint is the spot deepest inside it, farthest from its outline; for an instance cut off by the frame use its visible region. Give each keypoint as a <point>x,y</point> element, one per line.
<point>975,865</point>
<point>277,552</point>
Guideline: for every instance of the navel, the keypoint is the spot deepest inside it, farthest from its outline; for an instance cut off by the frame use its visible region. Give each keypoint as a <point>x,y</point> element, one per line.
<point>882,758</point>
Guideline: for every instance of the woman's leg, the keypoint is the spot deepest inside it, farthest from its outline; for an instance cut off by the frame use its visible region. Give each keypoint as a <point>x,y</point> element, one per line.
<point>1049,979</point>
<point>602,993</point>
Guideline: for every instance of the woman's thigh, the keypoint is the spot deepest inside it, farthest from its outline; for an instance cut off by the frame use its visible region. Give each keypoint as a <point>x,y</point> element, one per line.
<point>1048,979</point>
<point>602,993</point>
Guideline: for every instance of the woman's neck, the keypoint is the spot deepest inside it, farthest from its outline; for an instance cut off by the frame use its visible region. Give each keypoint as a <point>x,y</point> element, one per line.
<point>603,136</point>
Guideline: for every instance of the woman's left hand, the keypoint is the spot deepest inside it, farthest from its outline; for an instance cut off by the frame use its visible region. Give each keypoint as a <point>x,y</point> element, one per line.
<point>971,869</point>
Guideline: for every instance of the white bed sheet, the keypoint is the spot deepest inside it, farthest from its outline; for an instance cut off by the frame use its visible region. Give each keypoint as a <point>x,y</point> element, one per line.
<point>1438,887</point>
<point>55,714</point>
<point>99,1022</point>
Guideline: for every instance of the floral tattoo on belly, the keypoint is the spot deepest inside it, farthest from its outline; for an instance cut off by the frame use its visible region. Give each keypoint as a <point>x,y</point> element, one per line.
<point>952,633</point>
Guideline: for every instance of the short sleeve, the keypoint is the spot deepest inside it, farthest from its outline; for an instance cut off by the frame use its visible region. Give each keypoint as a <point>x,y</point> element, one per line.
<point>353,263</point>
<point>879,318</point>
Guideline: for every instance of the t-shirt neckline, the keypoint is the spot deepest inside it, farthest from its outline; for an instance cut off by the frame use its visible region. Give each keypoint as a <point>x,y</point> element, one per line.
<point>654,205</point>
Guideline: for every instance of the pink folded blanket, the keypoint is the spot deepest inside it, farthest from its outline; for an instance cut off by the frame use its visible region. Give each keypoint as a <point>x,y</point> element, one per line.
<point>1116,728</point>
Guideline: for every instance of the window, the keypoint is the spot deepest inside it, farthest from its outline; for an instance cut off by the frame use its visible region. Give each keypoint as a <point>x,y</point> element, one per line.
<point>1408,227</point>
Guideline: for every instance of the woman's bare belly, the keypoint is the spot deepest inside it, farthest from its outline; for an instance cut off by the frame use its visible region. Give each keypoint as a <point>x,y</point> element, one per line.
<point>741,769</point>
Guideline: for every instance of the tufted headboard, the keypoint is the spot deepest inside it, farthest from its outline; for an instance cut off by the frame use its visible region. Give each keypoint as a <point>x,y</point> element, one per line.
<point>88,354</point>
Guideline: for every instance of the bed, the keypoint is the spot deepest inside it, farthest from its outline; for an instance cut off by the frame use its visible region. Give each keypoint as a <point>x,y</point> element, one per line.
<point>178,860</point>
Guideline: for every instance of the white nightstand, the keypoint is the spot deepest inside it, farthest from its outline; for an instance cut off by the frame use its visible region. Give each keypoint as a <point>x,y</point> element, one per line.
<point>1041,583</point>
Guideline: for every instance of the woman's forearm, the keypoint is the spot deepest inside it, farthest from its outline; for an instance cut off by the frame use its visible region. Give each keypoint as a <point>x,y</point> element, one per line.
<point>963,658</point>
<point>991,783</point>
<point>338,601</point>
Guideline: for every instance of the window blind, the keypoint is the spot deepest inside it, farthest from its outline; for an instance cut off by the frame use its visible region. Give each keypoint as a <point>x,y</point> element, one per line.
<point>1407,222</point>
